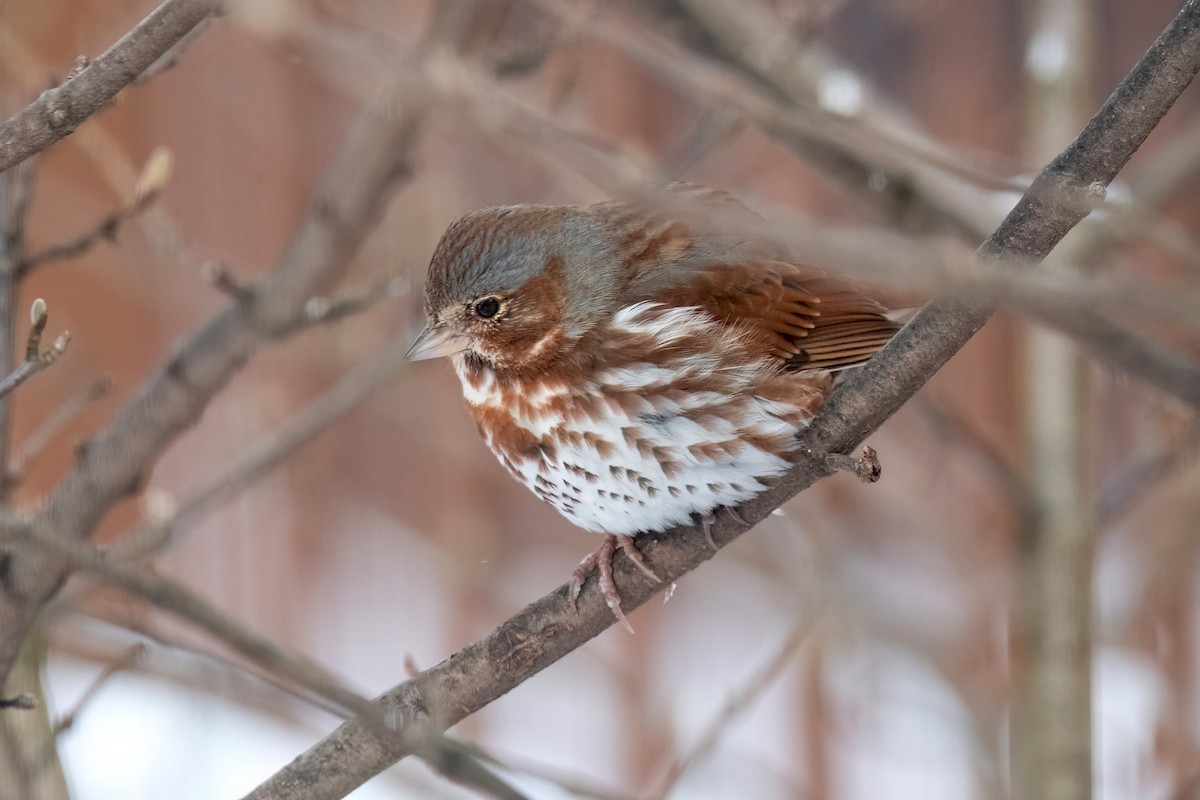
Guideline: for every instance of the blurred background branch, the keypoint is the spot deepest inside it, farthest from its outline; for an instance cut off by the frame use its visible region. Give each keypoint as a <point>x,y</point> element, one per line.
<point>1051,736</point>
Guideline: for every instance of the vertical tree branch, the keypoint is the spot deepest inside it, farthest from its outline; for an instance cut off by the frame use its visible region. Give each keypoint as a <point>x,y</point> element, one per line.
<point>1052,731</point>
<point>30,755</point>
<point>29,759</point>
<point>16,191</point>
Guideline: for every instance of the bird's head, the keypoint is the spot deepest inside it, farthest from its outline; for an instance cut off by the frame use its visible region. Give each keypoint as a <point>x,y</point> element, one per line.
<point>516,286</point>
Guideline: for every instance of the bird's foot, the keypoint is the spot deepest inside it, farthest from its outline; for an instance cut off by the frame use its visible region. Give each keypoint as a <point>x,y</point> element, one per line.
<point>602,559</point>
<point>866,467</point>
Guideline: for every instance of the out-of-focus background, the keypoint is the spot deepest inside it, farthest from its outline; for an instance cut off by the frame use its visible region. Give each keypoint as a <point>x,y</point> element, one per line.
<point>867,642</point>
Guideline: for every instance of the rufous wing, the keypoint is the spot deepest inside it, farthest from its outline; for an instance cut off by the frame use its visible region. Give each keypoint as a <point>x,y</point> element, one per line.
<point>811,322</point>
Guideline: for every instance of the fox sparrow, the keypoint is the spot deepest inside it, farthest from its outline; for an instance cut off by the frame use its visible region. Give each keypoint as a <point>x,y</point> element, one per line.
<point>632,369</point>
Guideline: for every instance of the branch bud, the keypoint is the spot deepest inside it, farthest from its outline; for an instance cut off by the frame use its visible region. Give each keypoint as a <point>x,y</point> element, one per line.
<point>154,175</point>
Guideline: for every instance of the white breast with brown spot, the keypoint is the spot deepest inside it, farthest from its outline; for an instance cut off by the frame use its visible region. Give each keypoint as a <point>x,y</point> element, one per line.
<point>669,429</point>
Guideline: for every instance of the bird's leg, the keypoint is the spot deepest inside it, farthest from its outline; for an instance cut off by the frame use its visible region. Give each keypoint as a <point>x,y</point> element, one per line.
<point>866,467</point>
<point>602,559</point>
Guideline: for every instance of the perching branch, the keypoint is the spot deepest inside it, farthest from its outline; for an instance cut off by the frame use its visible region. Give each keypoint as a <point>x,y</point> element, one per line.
<point>549,628</point>
<point>59,111</point>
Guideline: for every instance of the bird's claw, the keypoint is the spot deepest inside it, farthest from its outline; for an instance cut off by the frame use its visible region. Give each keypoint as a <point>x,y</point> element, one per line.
<point>709,519</point>
<point>706,522</point>
<point>602,559</point>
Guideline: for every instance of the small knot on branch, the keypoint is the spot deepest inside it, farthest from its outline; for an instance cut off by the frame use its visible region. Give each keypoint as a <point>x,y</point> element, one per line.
<point>23,702</point>
<point>81,63</point>
<point>1095,194</point>
<point>866,467</point>
<point>221,278</point>
<point>1065,190</point>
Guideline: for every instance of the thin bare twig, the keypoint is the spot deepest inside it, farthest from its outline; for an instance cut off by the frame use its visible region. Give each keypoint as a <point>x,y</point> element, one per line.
<point>220,276</point>
<point>35,361</point>
<point>130,659</point>
<point>18,201</point>
<point>571,783</point>
<point>150,184</point>
<point>1123,491</point>
<point>103,231</point>
<point>320,310</point>
<point>741,61</point>
<point>36,441</point>
<point>463,764</point>
<point>954,428</point>
<point>239,679</point>
<point>737,703</point>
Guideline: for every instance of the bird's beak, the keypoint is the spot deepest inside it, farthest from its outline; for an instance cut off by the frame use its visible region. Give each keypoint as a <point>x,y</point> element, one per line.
<point>436,341</point>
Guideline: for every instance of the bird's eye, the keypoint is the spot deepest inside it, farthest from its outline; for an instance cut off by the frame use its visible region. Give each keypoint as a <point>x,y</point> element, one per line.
<point>488,307</point>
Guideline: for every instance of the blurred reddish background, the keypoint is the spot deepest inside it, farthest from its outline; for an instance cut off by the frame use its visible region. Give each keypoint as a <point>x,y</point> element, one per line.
<point>395,537</point>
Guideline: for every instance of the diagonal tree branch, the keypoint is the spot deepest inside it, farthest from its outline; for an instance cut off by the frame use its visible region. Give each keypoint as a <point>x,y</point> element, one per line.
<point>59,111</point>
<point>548,629</point>
<point>368,169</point>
